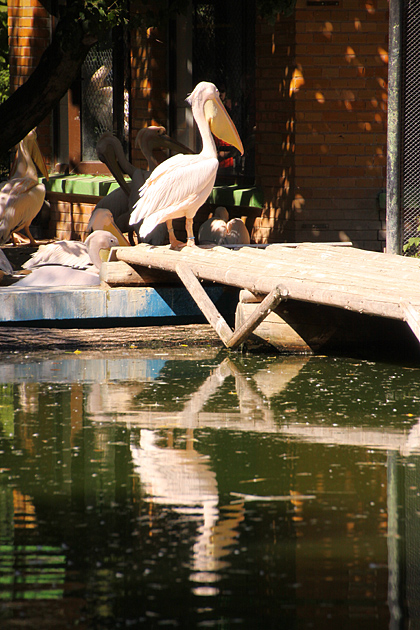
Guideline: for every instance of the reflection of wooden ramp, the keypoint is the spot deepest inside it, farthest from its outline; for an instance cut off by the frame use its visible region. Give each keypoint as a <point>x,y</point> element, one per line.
<point>323,292</point>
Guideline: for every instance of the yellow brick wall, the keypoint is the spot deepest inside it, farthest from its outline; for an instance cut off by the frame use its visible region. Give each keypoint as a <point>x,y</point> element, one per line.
<point>321,126</point>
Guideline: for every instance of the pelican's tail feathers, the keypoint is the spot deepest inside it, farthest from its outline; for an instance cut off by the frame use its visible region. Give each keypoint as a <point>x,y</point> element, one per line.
<point>151,222</point>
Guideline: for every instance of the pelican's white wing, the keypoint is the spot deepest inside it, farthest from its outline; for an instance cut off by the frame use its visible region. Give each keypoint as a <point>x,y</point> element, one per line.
<point>58,276</point>
<point>177,184</point>
<point>67,253</point>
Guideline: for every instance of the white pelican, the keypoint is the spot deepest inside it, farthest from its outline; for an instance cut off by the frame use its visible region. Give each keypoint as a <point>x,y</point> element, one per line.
<point>122,200</point>
<point>220,231</point>
<point>237,233</point>
<point>22,196</point>
<point>181,184</point>
<point>68,263</point>
<point>214,230</point>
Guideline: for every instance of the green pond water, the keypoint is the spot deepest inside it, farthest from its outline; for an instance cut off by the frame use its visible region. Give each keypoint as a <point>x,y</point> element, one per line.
<point>199,489</point>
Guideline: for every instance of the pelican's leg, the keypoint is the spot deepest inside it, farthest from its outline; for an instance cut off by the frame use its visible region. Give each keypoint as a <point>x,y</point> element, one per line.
<point>19,239</point>
<point>29,235</point>
<point>174,243</point>
<point>190,232</point>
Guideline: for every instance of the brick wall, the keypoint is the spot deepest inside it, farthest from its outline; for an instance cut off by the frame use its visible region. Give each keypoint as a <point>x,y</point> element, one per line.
<point>321,126</point>
<point>148,85</point>
<point>29,30</point>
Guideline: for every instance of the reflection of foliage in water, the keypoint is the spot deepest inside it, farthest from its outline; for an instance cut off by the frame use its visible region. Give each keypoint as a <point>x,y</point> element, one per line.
<point>128,560</point>
<point>351,392</point>
<point>6,409</point>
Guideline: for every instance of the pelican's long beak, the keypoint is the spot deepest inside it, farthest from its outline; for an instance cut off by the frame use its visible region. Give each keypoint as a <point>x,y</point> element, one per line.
<point>166,142</point>
<point>38,159</point>
<point>122,241</point>
<point>104,254</point>
<point>221,124</point>
<point>110,159</point>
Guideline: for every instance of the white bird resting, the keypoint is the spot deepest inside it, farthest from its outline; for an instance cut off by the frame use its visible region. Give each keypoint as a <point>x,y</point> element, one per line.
<point>181,184</point>
<point>218,230</point>
<point>68,263</point>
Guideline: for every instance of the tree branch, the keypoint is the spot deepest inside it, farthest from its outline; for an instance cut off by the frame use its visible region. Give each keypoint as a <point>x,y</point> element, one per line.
<point>58,67</point>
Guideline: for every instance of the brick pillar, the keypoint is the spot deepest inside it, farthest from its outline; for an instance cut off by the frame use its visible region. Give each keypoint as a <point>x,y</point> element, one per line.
<point>148,85</point>
<point>29,31</point>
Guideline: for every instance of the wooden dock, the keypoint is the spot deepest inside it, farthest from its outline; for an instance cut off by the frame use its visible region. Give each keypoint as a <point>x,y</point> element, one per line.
<point>301,298</point>
<point>308,298</point>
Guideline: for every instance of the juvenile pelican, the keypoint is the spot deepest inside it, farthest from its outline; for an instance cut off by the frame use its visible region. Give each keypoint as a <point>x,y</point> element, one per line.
<point>181,184</point>
<point>68,263</point>
<point>22,196</point>
<point>122,200</point>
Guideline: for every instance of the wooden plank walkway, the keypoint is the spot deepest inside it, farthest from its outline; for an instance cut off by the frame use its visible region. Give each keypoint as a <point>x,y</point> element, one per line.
<point>345,278</point>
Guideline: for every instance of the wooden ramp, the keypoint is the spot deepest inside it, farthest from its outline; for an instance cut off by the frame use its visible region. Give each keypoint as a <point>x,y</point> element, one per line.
<point>328,295</point>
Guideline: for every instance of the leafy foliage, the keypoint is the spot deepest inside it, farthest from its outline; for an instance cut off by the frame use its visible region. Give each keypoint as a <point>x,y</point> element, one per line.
<point>96,17</point>
<point>411,248</point>
<point>4,53</point>
<point>269,9</point>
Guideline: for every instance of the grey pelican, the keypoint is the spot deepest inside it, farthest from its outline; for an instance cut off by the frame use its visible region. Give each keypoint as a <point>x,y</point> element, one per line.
<point>68,263</point>
<point>122,200</point>
<point>182,183</point>
<point>22,196</point>
<point>220,231</point>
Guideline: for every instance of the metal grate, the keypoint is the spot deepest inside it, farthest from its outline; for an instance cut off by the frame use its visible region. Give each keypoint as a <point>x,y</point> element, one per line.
<point>224,53</point>
<point>98,100</point>
<point>410,149</point>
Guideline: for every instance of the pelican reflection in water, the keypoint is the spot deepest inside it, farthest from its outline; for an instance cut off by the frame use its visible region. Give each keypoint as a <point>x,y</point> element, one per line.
<point>183,478</point>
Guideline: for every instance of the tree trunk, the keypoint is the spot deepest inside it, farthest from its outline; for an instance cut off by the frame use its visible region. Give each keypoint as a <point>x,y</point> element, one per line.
<point>35,99</point>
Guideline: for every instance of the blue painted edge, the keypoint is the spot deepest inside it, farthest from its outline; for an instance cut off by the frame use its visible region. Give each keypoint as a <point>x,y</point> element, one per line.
<point>95,303</point>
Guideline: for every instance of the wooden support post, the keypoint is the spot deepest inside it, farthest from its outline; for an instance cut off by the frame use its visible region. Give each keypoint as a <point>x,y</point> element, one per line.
<point>204,302</point>
<point>230,339</point>
<point>260,312</point>
<point>412,317</point>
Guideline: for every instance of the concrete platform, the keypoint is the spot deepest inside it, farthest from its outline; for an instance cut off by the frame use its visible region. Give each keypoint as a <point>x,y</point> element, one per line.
<point>137,305</point>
